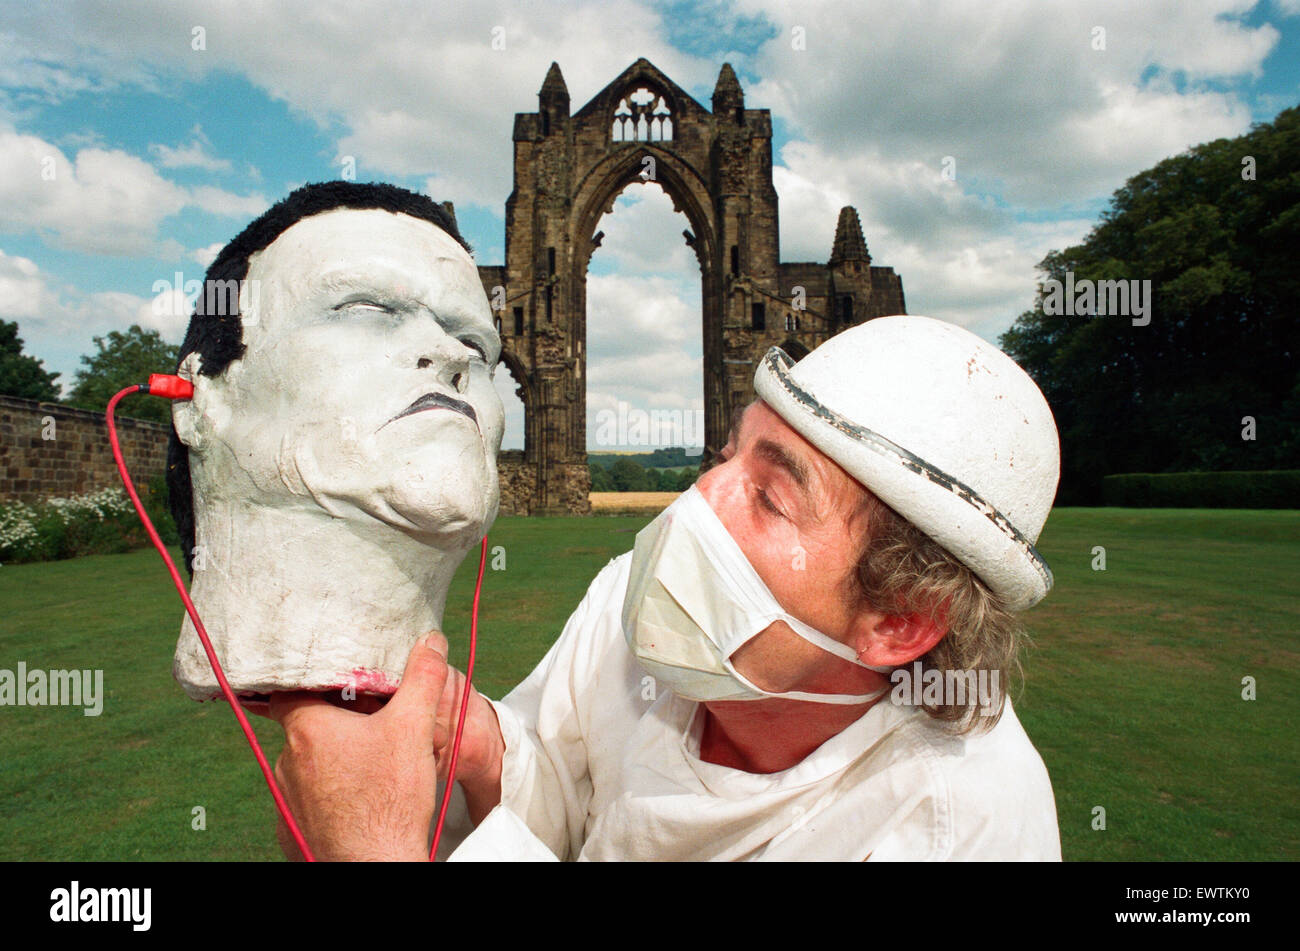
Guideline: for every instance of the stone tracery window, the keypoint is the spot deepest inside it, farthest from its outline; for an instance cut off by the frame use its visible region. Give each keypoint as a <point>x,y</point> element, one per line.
<point>642,115</point>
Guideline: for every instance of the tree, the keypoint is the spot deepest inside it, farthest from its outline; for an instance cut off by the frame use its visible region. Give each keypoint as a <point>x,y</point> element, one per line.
<point>629,477</point>
<point>600,479</point>
<point>22,375</point>
<point>121,360</point>
<point>1214,231</point>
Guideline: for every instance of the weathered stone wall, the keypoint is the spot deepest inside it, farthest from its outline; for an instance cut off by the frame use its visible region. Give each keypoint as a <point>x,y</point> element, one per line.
<point>575,491</point>
<point>47,449</point>
<point>518,483</point>
<point>519,495</point>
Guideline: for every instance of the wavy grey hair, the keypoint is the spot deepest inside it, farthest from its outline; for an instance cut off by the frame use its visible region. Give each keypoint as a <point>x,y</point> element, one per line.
<point>902,571</point>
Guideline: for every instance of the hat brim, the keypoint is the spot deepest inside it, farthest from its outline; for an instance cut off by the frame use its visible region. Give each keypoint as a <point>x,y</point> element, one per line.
<point>943,507</point>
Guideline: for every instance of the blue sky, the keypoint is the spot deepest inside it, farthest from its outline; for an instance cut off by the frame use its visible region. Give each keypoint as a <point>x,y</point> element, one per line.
<point>163,147</point>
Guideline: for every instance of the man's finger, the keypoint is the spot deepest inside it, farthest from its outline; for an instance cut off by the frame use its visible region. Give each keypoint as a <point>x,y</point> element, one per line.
<point>437,642</point>
<point>449,709</point>
<point>422,682</point>
<point>289,704</point>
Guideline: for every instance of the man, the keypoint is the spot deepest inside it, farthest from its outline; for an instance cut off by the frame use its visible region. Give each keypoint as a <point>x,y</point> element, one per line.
<point>721,692</point>
<point>338,457</point>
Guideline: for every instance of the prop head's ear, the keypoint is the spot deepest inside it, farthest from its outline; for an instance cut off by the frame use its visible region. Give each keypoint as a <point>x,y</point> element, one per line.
<point>188,416</point>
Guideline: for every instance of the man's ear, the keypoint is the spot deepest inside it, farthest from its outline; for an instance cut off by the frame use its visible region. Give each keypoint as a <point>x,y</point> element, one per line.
<point>187,415</point>
<point>893,639</point>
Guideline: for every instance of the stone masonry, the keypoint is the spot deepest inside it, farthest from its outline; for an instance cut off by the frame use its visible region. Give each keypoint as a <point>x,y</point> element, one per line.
<point>716,165</point>
<point>49,450</point>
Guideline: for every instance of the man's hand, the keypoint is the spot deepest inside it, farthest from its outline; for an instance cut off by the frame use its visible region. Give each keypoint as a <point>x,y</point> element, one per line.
<point>478,769</point>
<point>362,786</point>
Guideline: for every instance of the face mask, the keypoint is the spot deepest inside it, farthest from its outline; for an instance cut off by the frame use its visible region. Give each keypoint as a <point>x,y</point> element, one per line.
<point>693,599</point>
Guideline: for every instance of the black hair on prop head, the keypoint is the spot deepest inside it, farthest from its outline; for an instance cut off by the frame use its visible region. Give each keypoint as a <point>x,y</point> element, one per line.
<point>218,338</point>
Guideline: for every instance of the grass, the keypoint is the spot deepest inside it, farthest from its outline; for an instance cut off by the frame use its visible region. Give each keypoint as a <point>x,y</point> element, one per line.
<point>1133,689</point>
<point>1134,692</point>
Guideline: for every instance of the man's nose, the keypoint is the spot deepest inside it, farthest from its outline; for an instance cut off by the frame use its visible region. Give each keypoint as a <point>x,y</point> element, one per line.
<point>723,488</point>
<point>717,485</point>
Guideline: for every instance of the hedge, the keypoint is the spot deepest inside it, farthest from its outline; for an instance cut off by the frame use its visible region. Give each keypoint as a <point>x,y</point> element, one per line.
<point>1274,489</point>
<point>96,523</point>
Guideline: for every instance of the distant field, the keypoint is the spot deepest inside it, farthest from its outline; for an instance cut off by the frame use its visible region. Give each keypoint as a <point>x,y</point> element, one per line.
<point>1133,691</point>
<point>628,503</point>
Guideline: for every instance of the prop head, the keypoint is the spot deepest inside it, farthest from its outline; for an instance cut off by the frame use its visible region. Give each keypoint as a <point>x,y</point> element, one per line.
<point>342,375</point>
<point>355,304</point>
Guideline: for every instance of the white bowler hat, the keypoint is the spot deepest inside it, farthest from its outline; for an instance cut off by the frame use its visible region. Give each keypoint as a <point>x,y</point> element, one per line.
<point>944,428</point>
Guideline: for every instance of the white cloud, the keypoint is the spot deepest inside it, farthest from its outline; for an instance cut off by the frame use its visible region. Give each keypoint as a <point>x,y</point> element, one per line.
<point>23,293</point>
<point>1018,102</point>
<point>102,201</point>
<point>58,322</point>
<point>1014,91</point>
<point>645,344</point>
<point>513,437</point>
<point>194,154</point>
<point>205,256</point>
<point>643,235</point>
<point>218,201</point>
<point>961,258</point>
<point>421,93</point>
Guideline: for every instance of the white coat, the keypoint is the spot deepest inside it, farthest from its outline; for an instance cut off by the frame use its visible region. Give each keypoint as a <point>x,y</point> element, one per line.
<point>602,765</point>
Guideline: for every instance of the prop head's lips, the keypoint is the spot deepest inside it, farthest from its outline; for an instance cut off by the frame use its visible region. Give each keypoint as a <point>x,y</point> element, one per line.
<point>438,401</point>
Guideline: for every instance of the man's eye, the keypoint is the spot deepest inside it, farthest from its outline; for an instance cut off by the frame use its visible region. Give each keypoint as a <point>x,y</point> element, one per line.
<point>475,346</point>
<point>766,502</point>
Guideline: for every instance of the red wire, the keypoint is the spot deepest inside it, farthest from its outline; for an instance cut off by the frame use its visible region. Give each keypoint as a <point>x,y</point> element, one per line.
<point>280,803</point>
<point>203,634</point>
<point>464,702</point>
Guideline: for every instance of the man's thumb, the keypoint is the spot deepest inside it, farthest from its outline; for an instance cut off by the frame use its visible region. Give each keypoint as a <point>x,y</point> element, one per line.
<point>422,682</point>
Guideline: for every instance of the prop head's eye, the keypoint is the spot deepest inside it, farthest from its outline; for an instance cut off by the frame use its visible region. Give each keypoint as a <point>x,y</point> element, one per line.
<point>364,304</point>
<point>477,347</point>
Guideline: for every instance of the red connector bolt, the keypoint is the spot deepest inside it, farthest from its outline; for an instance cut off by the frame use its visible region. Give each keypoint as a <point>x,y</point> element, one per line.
<point>172,387</point>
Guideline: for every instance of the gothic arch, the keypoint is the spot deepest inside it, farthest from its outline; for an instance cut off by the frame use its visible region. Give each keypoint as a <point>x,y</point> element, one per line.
<point>795,349</point>
<point>716,167</point>
<point>608,178</point>
<point>512,365</point>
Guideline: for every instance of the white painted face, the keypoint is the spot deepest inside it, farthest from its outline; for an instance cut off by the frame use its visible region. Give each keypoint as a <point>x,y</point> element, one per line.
<point>367,378</point>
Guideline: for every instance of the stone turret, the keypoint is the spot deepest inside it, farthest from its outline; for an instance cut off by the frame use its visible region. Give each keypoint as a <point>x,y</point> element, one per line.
<point>849,243</point>
<point>850,272</point>
<point>728,99</point>
<point>553,100</point>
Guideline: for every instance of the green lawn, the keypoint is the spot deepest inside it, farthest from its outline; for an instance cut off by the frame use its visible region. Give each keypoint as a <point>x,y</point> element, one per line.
<point>1133,691</point>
